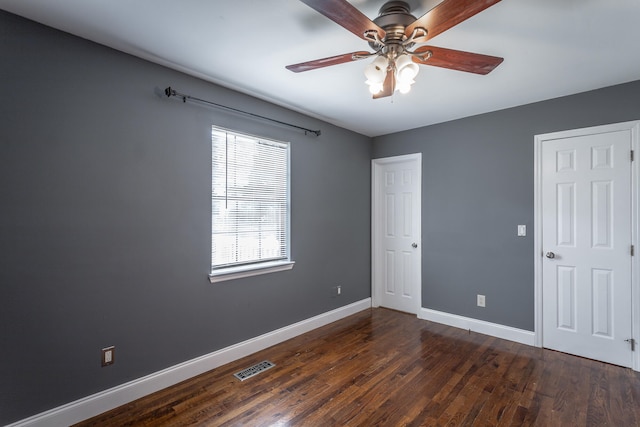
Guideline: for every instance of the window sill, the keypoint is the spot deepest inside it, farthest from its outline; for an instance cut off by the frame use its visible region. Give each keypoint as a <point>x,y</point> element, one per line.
<point>248,271</point>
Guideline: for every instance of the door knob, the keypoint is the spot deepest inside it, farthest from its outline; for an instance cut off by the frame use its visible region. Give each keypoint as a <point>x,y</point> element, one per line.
<point>550,255</point>
<point>414,245</point>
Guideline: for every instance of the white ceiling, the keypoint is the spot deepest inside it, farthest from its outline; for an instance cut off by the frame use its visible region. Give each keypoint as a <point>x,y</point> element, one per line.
<point>551,48</point>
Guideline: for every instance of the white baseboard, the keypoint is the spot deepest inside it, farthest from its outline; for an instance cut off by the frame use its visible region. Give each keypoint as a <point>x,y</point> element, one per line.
<point>487,328</point>
<point>98,403</point>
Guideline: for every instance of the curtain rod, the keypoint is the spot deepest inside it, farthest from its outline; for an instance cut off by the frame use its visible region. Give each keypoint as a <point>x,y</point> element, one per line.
<point>171,92</point>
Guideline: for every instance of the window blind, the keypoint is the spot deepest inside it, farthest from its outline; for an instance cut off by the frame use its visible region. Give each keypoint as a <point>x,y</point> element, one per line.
<point>250,199</point>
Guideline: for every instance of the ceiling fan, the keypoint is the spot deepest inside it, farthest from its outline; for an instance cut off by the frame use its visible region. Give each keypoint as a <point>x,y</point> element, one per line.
<point>394,33</point>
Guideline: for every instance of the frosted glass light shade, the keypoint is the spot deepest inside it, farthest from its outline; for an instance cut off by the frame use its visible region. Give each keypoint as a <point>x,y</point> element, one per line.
<point>408,72</point>
<point>377,70</point>
<point>381,62</point>
<point>374,74</point>
<point>406,69</point>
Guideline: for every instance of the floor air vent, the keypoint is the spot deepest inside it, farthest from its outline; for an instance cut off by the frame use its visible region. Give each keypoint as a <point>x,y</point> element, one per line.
<point>253,370</point>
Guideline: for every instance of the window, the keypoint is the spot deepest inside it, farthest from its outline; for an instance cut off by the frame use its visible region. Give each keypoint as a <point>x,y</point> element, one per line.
<point>249,205</point>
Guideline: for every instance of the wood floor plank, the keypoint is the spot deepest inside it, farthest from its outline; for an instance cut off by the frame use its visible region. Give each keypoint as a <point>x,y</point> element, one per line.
<point>385,368</point>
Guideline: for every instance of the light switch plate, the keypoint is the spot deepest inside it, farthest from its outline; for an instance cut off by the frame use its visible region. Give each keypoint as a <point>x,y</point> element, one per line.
<point>522,230</point>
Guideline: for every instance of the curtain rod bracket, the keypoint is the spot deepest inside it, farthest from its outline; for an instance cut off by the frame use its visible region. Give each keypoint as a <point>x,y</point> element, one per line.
<point>171,92</point>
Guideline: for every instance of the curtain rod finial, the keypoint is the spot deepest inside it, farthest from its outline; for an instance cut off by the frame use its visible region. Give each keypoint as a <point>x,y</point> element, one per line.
<point>168,91</point>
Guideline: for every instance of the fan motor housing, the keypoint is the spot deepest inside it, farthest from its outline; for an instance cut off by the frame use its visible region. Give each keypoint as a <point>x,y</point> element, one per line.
<point>393,18</point>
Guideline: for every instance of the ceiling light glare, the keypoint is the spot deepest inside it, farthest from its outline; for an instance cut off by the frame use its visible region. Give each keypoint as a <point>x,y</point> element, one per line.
<point>403,87</point>
<point>375,88</point>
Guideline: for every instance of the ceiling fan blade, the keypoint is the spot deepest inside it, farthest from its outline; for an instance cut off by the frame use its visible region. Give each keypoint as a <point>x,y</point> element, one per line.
<point>389,86</point>
<point>458,60</point>
<point>343,13</point>
<point>325,62</point>
<point>446,15</point>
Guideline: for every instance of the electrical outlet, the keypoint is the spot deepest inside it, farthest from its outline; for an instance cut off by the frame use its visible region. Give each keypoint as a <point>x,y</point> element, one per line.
<point>339,290</point>
<point>481,301</point>
<point>336,291</point>
<point>108,355</point>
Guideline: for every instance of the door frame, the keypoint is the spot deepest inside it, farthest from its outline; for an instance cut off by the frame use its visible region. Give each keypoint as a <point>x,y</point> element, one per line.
<point>377,216</point>
<point>634,127</point>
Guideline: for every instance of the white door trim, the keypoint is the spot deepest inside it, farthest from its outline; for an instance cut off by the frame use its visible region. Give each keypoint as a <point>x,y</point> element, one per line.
<point>376,165</point>
<point>634,127</point>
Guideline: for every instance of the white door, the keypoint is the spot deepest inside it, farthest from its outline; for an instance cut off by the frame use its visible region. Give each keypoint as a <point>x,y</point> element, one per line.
<point>586,243</point>
<point>396,258</point>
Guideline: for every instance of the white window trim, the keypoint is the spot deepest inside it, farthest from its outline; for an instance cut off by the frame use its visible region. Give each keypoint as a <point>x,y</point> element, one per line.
<point>224,274</point>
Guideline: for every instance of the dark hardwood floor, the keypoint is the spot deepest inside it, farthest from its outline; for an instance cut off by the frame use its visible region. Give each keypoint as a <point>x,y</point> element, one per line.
<point>385,368</point>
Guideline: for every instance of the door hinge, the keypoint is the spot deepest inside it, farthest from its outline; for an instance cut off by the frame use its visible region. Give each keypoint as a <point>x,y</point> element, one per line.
<point>632,155</point>
<point>633,250</point>
<point>633,343</point>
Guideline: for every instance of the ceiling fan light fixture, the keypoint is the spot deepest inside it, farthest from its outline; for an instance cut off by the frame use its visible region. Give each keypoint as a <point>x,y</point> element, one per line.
<point>406,69</point>
<point>393,33</point>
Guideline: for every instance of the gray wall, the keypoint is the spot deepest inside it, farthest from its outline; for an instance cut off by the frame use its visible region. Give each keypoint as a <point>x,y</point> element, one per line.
<point>478,186</point>
<point>105,220</point>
